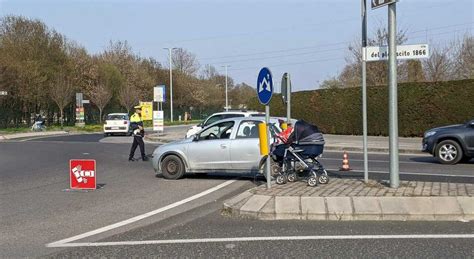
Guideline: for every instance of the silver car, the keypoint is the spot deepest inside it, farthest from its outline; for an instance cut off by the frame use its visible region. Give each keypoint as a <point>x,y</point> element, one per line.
<point>229,145</point>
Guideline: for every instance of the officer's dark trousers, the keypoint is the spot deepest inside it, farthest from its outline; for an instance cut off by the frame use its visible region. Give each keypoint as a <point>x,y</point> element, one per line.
<point>137,141</point>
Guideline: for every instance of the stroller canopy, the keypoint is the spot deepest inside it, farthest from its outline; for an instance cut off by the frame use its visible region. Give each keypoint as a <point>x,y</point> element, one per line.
<point>306,133</point>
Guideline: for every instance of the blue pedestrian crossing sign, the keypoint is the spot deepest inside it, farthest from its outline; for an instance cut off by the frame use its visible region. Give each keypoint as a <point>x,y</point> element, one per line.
<point>264,86</point>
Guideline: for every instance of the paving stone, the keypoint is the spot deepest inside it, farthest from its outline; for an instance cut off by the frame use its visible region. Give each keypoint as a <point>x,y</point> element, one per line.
<point>313,208</point>
<point>339,208</point>
<point>287,207</point>
<point>367,208</point>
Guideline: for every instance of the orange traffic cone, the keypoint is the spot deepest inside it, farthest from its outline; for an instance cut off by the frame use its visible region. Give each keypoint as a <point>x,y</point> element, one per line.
<point>345,162</point>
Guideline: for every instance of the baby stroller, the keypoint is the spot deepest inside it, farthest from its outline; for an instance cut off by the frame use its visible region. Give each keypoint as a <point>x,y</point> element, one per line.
<point>298,157</point>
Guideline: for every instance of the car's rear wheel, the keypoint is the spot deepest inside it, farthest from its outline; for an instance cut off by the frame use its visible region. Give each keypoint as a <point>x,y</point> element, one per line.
<point>449,152</point>
<point>172,167</point>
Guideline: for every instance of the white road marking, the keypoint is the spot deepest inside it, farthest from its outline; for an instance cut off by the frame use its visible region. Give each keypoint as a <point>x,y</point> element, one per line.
<point>385,172</point>
<point>249,239</point>
<point>139,217</point>
<point>374,161</point>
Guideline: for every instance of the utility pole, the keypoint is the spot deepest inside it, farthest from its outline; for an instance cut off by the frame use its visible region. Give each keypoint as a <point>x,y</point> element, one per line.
<point>364,89</point>
<point>170,50</point>
<point>392,96</point>
<point>226,100</point>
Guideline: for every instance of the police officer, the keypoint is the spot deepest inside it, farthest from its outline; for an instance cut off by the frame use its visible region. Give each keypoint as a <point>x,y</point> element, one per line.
<point>136,124</point>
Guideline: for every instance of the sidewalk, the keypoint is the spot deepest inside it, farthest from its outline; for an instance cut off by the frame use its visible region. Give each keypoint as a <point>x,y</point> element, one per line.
<point>31,134</point>
<point>351,199</point>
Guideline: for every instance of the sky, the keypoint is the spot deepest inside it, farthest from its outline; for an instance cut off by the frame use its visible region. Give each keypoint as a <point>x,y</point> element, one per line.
<point>307,38</point>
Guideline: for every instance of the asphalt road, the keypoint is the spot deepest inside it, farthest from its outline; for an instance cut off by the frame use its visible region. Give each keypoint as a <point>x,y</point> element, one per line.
<point>38,208</point>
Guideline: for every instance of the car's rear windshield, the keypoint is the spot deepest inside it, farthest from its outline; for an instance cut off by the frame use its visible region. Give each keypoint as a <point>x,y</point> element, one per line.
<point>115,117</point>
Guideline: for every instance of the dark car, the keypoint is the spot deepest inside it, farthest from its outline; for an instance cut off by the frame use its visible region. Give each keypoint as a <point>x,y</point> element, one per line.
<point>450,144</point>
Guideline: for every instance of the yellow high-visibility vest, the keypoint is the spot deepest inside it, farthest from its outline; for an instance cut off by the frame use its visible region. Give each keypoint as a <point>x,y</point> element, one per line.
<point>135,118</point>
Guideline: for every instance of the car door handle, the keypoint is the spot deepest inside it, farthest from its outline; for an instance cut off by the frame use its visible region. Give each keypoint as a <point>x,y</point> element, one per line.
<point>223,146</point>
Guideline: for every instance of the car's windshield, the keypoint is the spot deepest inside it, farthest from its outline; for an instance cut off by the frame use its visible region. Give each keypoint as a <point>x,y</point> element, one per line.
<point>114,117</point>
<point>211,120</point>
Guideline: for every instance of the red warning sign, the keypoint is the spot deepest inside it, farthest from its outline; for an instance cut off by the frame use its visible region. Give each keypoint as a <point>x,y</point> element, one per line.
<point>83,174</point>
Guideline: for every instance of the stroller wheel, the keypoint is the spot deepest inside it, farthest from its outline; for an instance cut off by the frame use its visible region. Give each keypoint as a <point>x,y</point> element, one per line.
<point>323,179</point>
<point>275,169</point>
<point>292,177</point>
<point>312,181</point>
<point>281,179</point>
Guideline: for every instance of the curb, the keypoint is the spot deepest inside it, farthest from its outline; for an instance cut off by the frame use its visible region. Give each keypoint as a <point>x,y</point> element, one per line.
<point>434,208</point>
<point>33,135</point>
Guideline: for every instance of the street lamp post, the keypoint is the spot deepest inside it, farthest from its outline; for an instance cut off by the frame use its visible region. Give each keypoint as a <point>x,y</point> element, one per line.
<point>226,97</point>
<point>170,50</point>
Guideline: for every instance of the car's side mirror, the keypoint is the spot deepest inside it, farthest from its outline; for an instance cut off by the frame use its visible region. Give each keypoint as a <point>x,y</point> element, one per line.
<point>195,137</point>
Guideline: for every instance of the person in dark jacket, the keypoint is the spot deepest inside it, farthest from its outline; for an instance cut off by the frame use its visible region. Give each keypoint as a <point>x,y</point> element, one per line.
<point>136,123</point>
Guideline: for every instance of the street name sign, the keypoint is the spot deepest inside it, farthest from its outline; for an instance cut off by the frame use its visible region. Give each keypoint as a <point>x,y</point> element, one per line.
<point>379,3</point>
<point>264,86</point>
<point>158,121</point>
<point>285,83</point>
<point>82,174</point>
<point>159,94</point>
<point>403,52</point>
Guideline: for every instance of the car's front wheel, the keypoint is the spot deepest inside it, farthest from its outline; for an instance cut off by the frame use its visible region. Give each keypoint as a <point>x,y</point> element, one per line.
<point>449,152</point>
<point>172,167</point>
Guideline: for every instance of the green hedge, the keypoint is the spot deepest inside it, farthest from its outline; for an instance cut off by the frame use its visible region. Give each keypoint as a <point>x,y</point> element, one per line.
<point>421,106</point>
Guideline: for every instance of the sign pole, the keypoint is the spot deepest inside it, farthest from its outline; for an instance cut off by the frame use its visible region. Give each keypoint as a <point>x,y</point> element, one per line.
<point>264,94</point>
<point>364,90</point>
<point>268,165</point>
<point>288,96</point>
<point>393,98</point>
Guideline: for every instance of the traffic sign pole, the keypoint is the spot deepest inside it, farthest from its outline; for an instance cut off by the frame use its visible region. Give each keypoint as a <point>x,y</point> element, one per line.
<point>264,94</point>
<point>364,90</point>
<point>393,98</point>
<point>267,167</point>
<point>288,97</point>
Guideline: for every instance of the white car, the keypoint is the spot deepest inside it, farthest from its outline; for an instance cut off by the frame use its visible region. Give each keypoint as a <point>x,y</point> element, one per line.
<point>117,123</point>
<point>220,116</point>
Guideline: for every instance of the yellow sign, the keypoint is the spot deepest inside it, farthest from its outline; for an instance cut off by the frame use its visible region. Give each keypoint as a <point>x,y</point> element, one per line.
<point>147,110</point>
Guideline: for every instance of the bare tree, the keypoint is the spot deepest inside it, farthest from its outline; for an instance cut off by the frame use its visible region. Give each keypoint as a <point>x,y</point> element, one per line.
<point>61,92</point>
<point>411,71</point>
<point>209,72</point>
<point>463,58</point>
<point>185,62</point>
<point>438,66</point>
<point>100,96</point>
<point>376,71</point>
<point>331,83</point>
<point>128,97</point>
